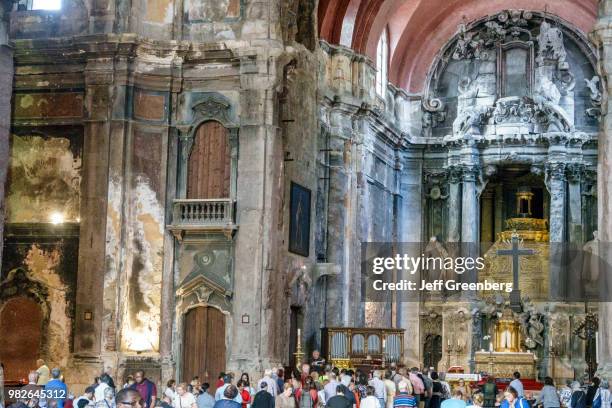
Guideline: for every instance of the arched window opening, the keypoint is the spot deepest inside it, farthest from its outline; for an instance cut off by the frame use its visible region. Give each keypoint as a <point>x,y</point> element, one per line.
<point>209,163</point>
<point>382,62</point>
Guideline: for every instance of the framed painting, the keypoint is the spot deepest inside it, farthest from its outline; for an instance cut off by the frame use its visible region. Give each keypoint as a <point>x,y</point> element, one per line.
<point>299,220</point>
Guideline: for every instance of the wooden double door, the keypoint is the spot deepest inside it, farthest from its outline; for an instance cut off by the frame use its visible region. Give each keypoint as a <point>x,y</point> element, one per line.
<point>203,344</point>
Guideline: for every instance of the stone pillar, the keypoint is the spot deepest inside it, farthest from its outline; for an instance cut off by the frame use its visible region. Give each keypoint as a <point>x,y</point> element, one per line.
<point>574,213</point>
<point>454,205</point>
<point>602,35</point>
<point>470,205</point>
<point>343,305</point>
<point>6,91</point>
<point>410,231</point>
<point>557,188</point>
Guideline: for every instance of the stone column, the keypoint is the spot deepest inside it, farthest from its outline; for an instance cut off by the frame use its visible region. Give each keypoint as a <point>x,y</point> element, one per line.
<point>574,213</point>
<point>410,231</point>
<point>454,205</point>
<point>556,186</point>
<point>603,37</point>
<point>470,205</point>
<point>6,91</point>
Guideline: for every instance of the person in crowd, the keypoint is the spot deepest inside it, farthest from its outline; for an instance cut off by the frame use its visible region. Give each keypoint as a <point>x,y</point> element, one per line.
<point>103,385</point>
<point>489,393</point>
<point>244,393</point>
<point>548,396</point>
<point>278,375</point>
<point>145,388</point>
<point>309,397</point>
<point>317,363</point>
<point>477,401</point>
<point>517,384</point>
<point>339,400</point>
<point>195,386</point>
<point>455,401</point>
<point>330,387</point>
<point>436,391</point>
<point>404,399</point>
<point>603,399</point>
<point>362,385</point>
<point>170,390</point>
<point>32,385</point>
<point>128,398</point>
<point>57,387</point>
<point>390,388</point>
<point>220,380</point>
<point>263,399</point>
<point>87,399</point>
<point>227,381</point>
<point>446,389</point>
<point>380,391</point>
<point>565,394</point>
<point>204,399</point>
<point>271,384</point>
<point>108,400</point>
<point>184,398</point>
<point>285,399</point>
<point>129,381</point>
<point>247,385</point>
<point>345,382</point>
<point>591,391</point>
<point>578,398</point>
<point>418,386</point>
<point>512,399</point>
<point>43,372</point>
<point>165,402</point>
<point>370,400</point>
<point>424,376</point>
<point>464,388</point>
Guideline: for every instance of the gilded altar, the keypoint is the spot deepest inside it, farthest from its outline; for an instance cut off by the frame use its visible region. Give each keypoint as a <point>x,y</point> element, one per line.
<point>504,364</point>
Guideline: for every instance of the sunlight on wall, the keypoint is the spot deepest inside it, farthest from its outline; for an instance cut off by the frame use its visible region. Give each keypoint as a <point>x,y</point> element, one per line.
<point>46,4</point>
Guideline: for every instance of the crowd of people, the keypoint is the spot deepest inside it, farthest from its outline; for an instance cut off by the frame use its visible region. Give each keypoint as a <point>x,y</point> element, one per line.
<point>316,385</point>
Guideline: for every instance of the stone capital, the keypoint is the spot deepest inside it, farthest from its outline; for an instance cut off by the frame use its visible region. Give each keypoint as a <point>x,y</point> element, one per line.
<point>574,172</point>
<point>556,171</point>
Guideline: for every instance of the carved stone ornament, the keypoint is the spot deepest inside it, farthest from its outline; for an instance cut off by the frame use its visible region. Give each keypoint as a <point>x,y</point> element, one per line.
<point>510,25</point>
<point>596,97</point>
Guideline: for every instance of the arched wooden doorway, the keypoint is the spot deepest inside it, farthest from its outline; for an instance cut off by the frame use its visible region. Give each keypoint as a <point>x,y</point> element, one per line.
<point>203,344</point>
<point>209,163</point>
<point>21,331</point>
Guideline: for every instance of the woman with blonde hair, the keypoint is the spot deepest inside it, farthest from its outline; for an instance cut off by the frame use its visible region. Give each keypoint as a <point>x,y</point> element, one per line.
<point>183,398</point>
<point>285,399</point>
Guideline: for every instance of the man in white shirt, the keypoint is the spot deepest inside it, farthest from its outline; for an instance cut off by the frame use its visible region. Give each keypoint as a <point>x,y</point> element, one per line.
<point>272,386</point>
<point>380,391</point>
<point>517,384</point>
<point>330,388</point>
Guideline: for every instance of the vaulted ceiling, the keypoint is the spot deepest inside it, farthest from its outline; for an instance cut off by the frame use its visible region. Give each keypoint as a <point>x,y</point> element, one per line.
<point>419,28</point>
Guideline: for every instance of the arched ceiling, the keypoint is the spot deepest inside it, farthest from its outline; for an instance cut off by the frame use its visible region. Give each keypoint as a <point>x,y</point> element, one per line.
<point>418,29</point>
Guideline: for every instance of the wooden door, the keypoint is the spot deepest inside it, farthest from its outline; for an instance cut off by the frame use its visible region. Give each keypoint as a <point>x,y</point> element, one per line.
<point>21,331</point>
<point>209,163</point>
<point>203,345</point>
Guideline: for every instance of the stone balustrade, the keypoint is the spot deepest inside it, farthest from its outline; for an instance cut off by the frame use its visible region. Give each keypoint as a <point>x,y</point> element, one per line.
<point>206,213</point>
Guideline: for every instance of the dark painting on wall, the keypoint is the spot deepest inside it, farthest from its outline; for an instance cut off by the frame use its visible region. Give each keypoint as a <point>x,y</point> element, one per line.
<point>299,220</point>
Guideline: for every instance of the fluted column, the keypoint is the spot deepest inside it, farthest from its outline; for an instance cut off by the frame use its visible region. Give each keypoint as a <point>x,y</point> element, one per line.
<point>556,185</point>
<point>602,35</point>
<point>469,205</point>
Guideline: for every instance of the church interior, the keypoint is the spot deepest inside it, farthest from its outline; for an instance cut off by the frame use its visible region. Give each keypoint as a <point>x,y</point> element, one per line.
<point>186,187</point>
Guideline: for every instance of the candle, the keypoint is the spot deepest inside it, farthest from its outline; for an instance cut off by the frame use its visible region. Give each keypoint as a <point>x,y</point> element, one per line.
<point>491,346</point>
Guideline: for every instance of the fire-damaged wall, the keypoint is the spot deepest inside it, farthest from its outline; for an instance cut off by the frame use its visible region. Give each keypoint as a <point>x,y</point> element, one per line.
<point>41,238</point>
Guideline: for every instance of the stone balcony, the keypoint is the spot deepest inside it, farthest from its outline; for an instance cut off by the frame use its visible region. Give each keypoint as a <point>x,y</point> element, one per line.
<point>202,216</point>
